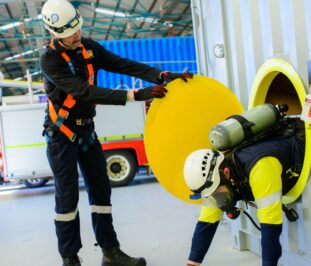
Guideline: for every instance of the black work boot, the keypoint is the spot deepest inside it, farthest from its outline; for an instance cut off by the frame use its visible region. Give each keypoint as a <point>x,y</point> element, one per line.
<point>73,260</point>
<point>116,257</point>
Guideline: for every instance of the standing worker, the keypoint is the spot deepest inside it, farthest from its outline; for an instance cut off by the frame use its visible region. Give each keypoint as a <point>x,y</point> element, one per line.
<point>261,171</point>
<point>69,67</point>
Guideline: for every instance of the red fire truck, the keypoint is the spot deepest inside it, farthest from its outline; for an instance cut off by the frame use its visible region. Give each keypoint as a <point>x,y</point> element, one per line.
<point>119,128</point>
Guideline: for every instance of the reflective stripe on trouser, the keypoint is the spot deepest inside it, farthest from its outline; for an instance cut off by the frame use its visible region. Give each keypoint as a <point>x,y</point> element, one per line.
<point>266,183</point>
<point>63,156</point>
<point>66,217</point>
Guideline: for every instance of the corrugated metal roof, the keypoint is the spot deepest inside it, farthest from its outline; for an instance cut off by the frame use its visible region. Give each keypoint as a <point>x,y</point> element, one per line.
<point>21,44</point>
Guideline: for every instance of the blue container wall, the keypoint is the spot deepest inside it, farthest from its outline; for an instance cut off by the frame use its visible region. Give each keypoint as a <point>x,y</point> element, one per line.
<point>175,54</point>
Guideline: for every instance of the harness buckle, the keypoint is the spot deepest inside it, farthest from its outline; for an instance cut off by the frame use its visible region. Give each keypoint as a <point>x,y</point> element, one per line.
<point>63,113</point>
<point>83,122</point>
<point>49,132</point>
<point>59,121</point>
<point>73,137</point>
<point>79,122</point>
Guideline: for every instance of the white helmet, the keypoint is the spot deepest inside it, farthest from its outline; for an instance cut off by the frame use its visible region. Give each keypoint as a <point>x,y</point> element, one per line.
<point>201,171</point>
<point>61,18</point>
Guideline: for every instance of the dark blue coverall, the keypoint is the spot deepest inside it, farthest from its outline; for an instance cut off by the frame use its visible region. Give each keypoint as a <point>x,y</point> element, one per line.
<point>64,155</point>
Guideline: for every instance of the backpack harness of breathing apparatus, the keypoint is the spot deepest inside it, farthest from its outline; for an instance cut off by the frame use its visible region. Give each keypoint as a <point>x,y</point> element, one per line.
<point>284,127</point>
<point>58,118</point>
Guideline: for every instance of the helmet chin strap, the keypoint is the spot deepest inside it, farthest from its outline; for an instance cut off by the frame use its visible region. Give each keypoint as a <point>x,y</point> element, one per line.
<point>61,42</point>
<point>59,46</point>
<point>207,184</point>
<point>58,40</point>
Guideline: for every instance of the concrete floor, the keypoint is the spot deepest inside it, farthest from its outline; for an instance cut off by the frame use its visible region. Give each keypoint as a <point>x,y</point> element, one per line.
<point>148,220</point>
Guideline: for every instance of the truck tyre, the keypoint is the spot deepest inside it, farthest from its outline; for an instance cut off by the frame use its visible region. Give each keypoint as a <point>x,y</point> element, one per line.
<point>121,167</point>
<point>36,182</point>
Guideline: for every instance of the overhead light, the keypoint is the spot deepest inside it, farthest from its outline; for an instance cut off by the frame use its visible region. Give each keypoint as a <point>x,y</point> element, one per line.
<point>10,26</point>
<point>110,12</point>
<point>17,24</point>
<point>32,74</point>
<point>150,20</point>
<point>20,55</point>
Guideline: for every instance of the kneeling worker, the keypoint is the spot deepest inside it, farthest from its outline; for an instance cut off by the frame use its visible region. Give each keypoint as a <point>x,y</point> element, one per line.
<point>257,172</point>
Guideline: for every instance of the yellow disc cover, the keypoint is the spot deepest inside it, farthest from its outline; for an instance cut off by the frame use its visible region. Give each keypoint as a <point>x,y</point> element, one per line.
<point>180,123</point>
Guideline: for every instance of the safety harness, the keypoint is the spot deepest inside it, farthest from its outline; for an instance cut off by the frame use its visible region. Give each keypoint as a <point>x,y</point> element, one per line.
<point>59,118</point>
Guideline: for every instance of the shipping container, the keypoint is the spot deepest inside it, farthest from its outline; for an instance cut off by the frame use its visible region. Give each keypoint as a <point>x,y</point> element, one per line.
<point>175,54</point>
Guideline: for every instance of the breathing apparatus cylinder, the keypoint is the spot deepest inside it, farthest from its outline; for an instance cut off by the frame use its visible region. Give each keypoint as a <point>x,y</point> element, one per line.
<point>236,129</point>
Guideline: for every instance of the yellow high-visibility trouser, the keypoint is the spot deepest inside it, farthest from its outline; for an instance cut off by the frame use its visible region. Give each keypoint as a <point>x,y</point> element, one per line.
<point>266,184</point>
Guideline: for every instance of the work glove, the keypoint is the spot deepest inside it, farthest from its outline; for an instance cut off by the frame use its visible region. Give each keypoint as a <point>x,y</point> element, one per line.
<point>169,76</point>
<point>157,91</point>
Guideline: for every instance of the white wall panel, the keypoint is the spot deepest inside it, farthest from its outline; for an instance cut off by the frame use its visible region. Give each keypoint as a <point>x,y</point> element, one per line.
<point>251,31</point>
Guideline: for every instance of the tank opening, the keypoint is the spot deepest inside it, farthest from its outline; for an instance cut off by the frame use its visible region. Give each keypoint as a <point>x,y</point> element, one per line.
<point>277,83</point>
<point>283,91</point>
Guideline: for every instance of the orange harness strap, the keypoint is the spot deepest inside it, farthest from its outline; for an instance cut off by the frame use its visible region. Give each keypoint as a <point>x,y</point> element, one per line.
<point>59,118</point>
<point>89,66</point>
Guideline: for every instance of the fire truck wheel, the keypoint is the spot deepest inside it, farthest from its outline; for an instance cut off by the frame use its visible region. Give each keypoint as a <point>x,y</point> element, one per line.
<point>121,167</point>
<point>36,182</point>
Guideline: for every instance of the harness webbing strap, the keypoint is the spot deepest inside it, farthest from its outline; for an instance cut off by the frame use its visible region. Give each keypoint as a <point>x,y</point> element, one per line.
<point>89,66</point>
<point>65,56</point>
<point>59,122</point>
<point>246,125</point>
<point>59,118</point>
